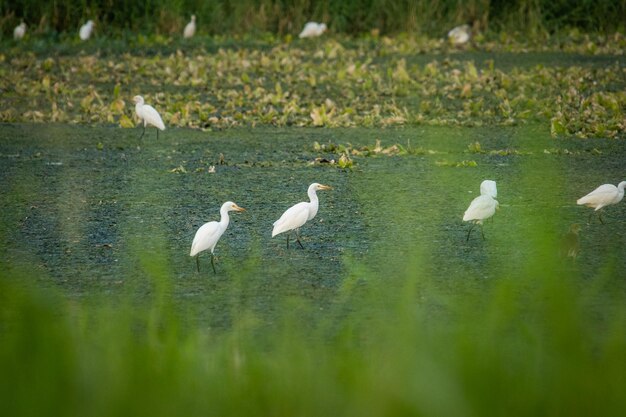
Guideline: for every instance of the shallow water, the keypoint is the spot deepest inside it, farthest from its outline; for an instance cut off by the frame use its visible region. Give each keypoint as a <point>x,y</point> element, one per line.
<point>83,206</point>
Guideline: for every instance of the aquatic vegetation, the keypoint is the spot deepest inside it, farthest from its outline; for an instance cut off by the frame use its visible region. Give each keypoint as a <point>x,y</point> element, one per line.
<point>343,83</point>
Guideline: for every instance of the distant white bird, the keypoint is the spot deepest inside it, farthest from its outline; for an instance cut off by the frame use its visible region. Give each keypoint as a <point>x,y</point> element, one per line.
<point>482,207</point>
<point>190,29</point>
<point>297,215</point>
<point>148,114</point>
<point>603,196</point>
<point>85,30</point>
<point>459,35</point>
<point>19,31</point>
<point>209,233</point>
<point>312,29</point>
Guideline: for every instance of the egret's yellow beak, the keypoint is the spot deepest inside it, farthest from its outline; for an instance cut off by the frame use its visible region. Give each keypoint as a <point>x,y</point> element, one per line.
<point>237,208</point>
<point>325,187</point>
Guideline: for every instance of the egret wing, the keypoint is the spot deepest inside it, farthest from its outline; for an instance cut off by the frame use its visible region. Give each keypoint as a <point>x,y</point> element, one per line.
<point>206,238</point>
<point>291,219</point>
<point>482,207</point>
<point>152,117</point>
<point>599,197</point>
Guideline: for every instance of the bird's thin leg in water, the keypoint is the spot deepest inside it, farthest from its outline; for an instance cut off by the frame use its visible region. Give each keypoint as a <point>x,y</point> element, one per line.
<point>470,231</point>
<point>143,132</point>
<point>157,133</point>
<point>198,262</point>
<point>298,238</point>
<point>482,231</point>
<point>288,240</point>
<point>213,265</point>
<point>600,217</point>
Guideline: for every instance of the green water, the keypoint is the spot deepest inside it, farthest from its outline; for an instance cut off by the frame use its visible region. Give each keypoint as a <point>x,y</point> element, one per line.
<point>386,311</point>
<point>79,202</point>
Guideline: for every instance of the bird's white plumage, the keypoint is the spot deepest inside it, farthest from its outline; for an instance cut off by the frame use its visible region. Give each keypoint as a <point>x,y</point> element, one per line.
<point>85,30</point>
<point>603,196</point>
<point>488,187</point>
<point>481,208</point>
<point>148,114</point>
<point>190,28</point>
<point>459,35</point>
<point>298,215</point>
<point>209,233</point>
<point>19,31</point>
<point>312,29</point>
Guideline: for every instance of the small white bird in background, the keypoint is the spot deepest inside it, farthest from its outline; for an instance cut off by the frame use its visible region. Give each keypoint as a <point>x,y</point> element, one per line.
<point>85,30</point>
<point>19,31</point>
<point>190,28</point>
<point>209,233</point>
<point>299,214</point>
<point>459,35</point>
<point>603,196</point>
<point>148,114</point>
<point>312,29</point>
<point>482,207</point>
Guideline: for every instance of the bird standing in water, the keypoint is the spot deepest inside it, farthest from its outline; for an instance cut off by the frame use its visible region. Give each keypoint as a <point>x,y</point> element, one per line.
<point>603,196</point>
<point>209,233</point>
<point>148,115</point>
<point>482,207</point>
<point>297,215</point>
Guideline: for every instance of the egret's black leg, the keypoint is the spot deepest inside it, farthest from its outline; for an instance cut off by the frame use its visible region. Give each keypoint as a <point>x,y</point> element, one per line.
<point>482,231</point>
<point>600,217</point>
<point>470,231</point>
<point>213,265</point>
<point>198,262</point>
<point>157,133</point>
<point>143,132</point>
<point>298,239</point>
<point>287,240</point>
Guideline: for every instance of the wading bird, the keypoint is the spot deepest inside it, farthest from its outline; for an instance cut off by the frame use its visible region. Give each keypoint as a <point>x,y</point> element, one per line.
<point>604,195</point>
<point>190,29</point>
<point>482,207</point>
<point>459,35</point>
<point>570,245</point>
<point>85,30</point>
<point>19,31</point>
<point>209,233</point>
<point>148,114</point>
<point>312,29</point>
<point>297,215</point>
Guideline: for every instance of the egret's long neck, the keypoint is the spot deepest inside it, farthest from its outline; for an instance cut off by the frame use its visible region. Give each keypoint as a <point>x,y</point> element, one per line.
<point>313,196</point>
<point>138,107</point>
<point>224,219</point>
<point>620,189</point>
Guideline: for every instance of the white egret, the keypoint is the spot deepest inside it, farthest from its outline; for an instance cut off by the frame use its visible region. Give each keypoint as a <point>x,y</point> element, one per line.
<point>297,215</point>
<point>570,245</point>
<point>148,114</point>
<point>459,35</point>
<point>482,207</point>
<point>312,29</point>
<point>19,31</point>
<point>603,196</point>
<point>85,30</point>
<point>209,233</point>
<point>190,29</point>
